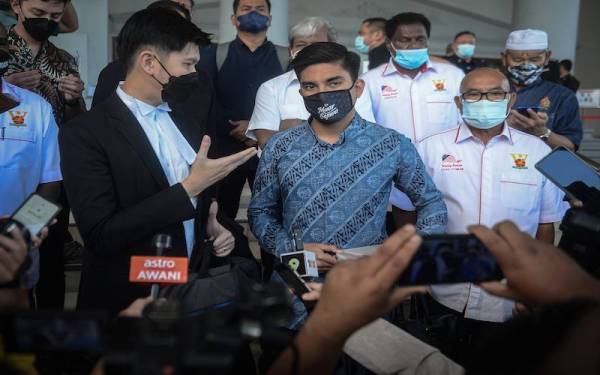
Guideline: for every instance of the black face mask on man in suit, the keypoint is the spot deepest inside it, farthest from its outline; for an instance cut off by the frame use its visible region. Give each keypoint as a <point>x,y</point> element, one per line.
<point>177,89</point>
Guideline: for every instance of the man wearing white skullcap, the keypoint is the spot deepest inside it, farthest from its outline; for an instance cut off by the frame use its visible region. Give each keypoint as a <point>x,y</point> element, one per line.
<point>544,109</point>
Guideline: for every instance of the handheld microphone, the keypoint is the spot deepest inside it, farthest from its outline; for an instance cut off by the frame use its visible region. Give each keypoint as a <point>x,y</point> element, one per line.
<point>304,263</point>
<point>157,270</point>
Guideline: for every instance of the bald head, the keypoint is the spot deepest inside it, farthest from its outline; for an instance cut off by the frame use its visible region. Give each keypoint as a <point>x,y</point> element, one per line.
<point>484,80</point>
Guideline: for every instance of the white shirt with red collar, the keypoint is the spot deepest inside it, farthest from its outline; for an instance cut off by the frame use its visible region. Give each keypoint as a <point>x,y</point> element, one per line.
<point>415,107</point>
<point>486,184</point>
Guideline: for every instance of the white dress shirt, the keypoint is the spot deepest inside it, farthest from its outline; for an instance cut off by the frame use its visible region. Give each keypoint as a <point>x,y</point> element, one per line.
<point>279,99</point>
<point>170,146</point>
<point>29,153</point>
<point>415,107</point>
<point>486,184</point>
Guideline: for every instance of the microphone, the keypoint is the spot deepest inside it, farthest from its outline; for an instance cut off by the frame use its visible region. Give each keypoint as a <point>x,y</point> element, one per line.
<point>304,263</point>
<point>157,270</point>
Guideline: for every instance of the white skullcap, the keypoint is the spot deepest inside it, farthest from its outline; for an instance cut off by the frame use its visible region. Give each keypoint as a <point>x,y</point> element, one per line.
<point>527,40</point>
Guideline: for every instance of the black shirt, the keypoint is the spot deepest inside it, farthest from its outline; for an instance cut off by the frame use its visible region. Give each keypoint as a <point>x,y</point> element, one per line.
<point>378,56</point>
<point>237,83</point>
<point>465,66</point>
<point>570,82</point>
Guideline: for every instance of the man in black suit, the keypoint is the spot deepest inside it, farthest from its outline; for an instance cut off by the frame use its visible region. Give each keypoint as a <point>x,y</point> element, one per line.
<point>130,165</point>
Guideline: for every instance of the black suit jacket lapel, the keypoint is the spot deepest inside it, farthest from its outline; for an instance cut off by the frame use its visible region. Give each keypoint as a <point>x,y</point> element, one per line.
<point>128,125</point>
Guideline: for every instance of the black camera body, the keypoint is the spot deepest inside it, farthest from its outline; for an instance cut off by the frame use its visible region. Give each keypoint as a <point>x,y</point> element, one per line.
<point>581,233</point>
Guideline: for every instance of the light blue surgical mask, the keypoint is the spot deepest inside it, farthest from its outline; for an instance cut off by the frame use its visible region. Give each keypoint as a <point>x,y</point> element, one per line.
<point>485,114</point>
<point>411,59</point>
<point>465,51</point>
<point>359,44</point>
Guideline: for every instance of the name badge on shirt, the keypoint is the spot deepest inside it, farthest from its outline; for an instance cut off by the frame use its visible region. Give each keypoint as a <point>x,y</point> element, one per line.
<point>450,163</point>
<point>388,92</point>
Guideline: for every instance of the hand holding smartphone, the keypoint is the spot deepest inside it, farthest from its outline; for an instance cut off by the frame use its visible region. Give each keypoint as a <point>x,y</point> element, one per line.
<point>35,213</point>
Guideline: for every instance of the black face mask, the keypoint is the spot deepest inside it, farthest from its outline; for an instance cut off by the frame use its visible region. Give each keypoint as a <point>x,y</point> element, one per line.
<point>329,107</point>
<point>177,89</point>
<point>40,29</point>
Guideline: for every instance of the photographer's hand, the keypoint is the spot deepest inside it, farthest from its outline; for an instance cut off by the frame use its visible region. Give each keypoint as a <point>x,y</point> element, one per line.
<point>537,273</point>
<point>355,293</point>
<point>13,251</point>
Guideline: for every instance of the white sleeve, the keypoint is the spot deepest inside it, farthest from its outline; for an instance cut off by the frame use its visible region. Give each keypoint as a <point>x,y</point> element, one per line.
<point>51,158</point>
<point>266,111</point>
<point>363,106</point>
<point>553,205</point>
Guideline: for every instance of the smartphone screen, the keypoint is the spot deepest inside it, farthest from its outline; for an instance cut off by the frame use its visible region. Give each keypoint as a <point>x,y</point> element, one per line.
<point>570,173</point>
<point>451,259</point>
<point>36,213</point>
<point>291,278</point>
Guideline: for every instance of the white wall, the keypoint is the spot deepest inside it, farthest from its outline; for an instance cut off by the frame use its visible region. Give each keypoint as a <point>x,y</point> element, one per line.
<point>587,65</point>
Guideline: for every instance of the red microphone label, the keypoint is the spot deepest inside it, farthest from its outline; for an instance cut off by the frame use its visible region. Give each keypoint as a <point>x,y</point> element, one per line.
<point>158,270</point>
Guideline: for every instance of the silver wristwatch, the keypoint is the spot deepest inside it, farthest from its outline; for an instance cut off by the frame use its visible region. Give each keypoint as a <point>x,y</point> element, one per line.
<point>546,135</point>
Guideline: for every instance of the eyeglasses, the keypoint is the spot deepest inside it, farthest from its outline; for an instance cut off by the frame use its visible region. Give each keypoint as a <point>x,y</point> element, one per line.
<point>492,96</point>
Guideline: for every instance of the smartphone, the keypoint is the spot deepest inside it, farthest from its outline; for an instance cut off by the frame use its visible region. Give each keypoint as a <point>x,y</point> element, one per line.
<point>292,279</point>
<point>523,110</point>
<point>570,173</point>
<point>451,259</point>
<point>52,332</point>
<point>36,213</point>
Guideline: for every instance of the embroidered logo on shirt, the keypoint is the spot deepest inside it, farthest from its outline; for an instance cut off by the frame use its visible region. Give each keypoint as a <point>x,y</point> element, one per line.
<point>450,163</point>
<point>545,103</point>
<point>388,92</point>
<point>18,118</point>
<point>439,85</point>
<point>520,161</point>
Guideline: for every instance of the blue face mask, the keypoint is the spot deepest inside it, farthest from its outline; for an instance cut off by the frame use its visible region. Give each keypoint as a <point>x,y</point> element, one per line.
<point>465,51</point>
<point>485,114</point>
<point>253,22</point>
<point>359,44</point>
<point>411,59</point>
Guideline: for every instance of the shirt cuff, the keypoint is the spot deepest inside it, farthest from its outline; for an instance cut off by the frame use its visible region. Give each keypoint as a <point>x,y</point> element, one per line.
<point>48,177</point>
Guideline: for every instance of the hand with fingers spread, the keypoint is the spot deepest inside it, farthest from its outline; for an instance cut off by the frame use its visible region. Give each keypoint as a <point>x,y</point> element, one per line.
<point>536,273</point>
<point>359,291</point>
<point>223,240</point>
<point>355,293</point>
<point>13,251</point>
<point>29,80</point>
<point>326,254</point>
<point>206,172</point>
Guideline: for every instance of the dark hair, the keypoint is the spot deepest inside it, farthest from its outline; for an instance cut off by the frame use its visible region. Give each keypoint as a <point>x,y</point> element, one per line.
<point>236,4</point>
<point>376,22</point>
<point>408,18</point>
<point>327,53</point>
<point>466,32</point>
<point>47,1</point>
<point>567,64</point>
<point>170,4</point>
<point>163,29</point>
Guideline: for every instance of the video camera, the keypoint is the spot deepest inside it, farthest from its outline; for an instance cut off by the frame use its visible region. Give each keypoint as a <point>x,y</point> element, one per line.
<point>579,178</point>
<point>162,341</point>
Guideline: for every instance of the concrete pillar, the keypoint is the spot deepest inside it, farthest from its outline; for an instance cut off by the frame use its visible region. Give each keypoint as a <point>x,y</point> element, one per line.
<point>278,32</point>
<point>558,18</point>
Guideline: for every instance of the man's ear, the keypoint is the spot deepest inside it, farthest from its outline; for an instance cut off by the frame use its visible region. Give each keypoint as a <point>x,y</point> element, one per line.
<point>359,88</point>
<point>16,8</point>
<point>548,57</point>
<point>459,104</point>
<point>504,59</point>
<point>147,62</point>
<point>512,101</point>
<point>234,21</point>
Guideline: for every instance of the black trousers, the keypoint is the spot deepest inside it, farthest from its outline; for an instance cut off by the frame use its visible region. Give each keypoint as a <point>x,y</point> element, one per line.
<point>230,188</point>
<point>463,338</point>
<point>50,290</point>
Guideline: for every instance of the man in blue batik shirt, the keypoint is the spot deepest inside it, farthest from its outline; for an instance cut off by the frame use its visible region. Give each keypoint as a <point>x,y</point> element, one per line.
<point>330,177</point>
